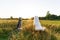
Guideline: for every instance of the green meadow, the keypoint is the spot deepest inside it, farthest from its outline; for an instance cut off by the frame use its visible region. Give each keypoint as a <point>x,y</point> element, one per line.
<point>8,30</point>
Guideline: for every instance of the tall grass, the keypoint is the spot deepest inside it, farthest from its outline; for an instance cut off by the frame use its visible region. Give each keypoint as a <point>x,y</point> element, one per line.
<point>30,34</point>
<point>8,31</point>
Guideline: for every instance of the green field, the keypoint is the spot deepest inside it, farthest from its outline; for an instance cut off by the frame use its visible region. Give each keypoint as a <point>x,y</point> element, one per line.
<point>8,31</point>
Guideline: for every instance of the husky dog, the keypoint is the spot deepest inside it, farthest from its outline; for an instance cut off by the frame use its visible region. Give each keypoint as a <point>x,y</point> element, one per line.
<point>37,24</point>
<point>19,23</point>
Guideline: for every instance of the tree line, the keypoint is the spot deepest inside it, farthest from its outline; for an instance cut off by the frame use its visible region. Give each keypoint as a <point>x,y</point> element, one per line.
<point>50,16</point>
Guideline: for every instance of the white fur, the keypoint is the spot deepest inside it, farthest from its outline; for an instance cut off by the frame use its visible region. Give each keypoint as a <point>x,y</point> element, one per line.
<point>37,24</point>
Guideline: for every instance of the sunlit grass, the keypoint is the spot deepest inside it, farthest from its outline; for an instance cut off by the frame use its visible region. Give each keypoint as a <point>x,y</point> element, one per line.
<point>7,30</point>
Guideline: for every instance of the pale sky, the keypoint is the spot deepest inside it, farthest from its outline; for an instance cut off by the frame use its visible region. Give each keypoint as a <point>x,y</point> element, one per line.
<point>28,8</point>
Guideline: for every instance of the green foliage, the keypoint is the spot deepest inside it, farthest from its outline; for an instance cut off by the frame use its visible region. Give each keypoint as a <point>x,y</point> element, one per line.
<point>11,17</point>
<point>51,16</point>
<point>48,15</point>
<point>53,37</point>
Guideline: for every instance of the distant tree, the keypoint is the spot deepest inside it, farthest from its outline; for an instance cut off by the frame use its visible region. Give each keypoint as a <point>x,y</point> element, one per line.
<point>53,17</point>
<point>48,15</point>
<point>11,17</point>
<point>58,17</point>
<point>42,18</point>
